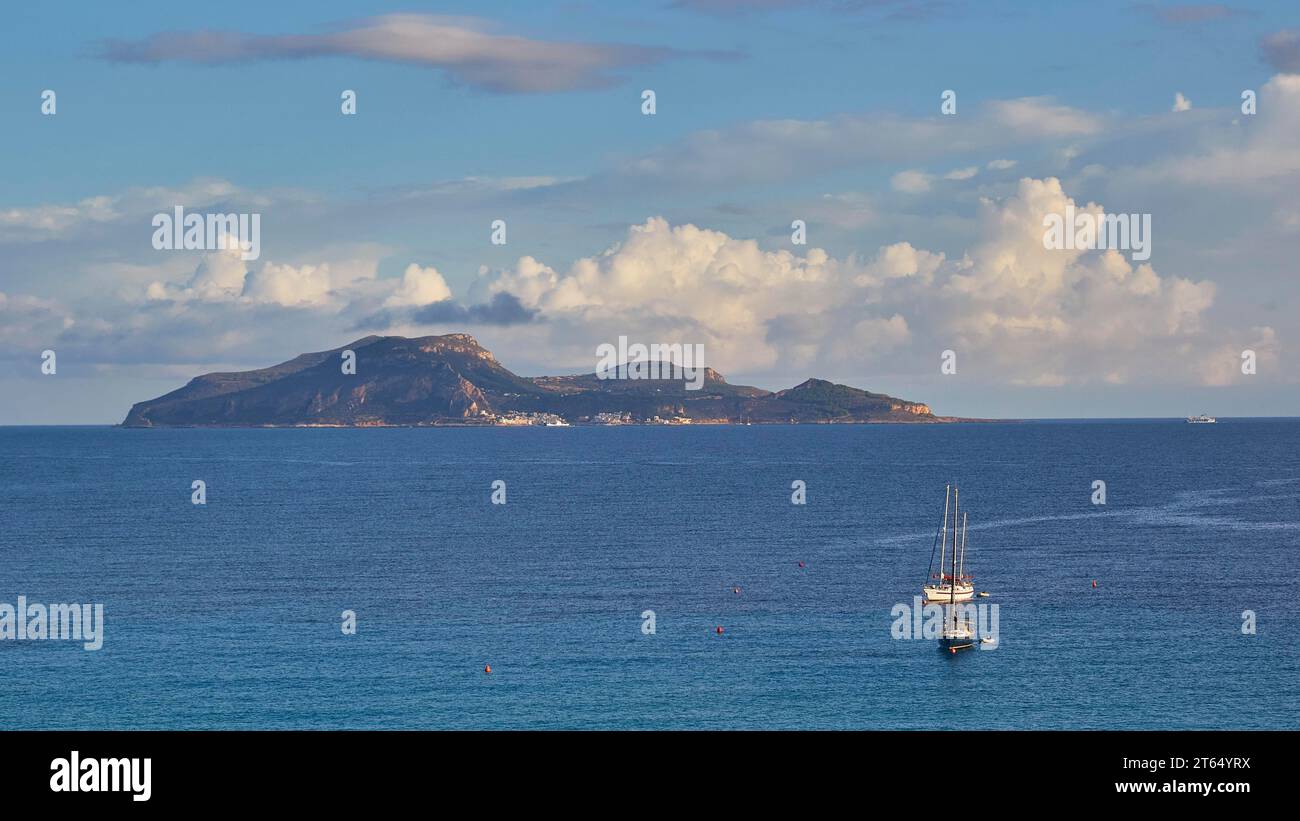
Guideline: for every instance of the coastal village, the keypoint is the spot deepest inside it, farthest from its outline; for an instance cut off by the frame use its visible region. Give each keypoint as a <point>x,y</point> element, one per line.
<point>554,420</point>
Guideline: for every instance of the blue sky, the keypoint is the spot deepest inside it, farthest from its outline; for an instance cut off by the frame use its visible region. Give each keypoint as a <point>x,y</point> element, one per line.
<point>673,226</point>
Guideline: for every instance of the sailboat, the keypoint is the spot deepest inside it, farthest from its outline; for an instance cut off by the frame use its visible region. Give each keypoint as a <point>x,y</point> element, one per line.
<point>954,586</point>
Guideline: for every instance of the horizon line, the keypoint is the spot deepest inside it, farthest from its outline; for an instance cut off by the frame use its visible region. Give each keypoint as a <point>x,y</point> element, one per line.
<point>957,421</point>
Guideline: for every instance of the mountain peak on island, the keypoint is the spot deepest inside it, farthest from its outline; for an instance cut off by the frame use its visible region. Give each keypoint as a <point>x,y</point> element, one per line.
<point>452,379</point>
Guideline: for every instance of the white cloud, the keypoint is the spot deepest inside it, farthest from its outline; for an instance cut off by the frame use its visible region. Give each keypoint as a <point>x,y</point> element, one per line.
<point>918,182</point>
<point>530,281</point>
<point>1181,103</point>
<point>1017,312</point>
<point>289,285</point>
<point>44,221</point>
<point>1267,152</point>
<point>911,182</point>
<point>420,286</point>
<point>128,211</point>
<point>900,260</point>
<point>1042,117</point>
<point>220,274</point>
<point>223,276</point>
<point>1222,365</point>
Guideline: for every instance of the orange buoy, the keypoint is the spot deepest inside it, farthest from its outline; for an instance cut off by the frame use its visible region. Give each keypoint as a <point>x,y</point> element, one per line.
<point>952,650</point>
<point>719,630</point>
<point>487,668</point>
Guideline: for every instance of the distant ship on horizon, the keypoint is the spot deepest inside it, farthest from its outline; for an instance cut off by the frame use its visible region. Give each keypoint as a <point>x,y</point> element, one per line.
<point>1202,419</point>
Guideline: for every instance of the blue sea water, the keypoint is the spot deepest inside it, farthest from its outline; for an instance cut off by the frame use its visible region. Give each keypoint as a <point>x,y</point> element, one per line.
<point>228,615</point>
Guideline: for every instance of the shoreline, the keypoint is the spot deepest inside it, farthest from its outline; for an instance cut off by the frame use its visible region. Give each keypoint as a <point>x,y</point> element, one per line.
<point>450,424</point>
<point>1047,420</point>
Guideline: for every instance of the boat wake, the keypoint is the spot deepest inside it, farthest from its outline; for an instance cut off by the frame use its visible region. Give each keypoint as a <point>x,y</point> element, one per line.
<point>1000,523</point>
<point>1182,511</point>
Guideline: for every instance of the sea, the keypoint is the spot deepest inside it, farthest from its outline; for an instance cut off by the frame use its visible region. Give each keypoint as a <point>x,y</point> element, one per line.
<point>658,577</point>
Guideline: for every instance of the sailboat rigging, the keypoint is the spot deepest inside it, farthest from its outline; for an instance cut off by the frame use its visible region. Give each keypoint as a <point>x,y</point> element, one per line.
<point>953,583</point>
<point>957,585</point>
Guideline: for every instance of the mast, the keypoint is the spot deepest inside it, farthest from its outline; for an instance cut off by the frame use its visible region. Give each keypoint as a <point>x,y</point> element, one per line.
<point>943,545</point>
<point>952,588</point>
<point>963,545</point>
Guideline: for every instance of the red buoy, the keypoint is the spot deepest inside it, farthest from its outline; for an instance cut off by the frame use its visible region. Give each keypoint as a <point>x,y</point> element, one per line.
<point>801,564</point>
<point>1094,583</point>
<point>719,630</point>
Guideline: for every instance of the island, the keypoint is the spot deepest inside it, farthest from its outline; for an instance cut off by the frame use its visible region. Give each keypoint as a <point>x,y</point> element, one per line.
<point>452,380</point>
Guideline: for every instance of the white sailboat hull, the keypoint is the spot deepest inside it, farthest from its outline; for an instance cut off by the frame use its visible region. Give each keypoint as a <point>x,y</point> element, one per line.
<point>942,593</point>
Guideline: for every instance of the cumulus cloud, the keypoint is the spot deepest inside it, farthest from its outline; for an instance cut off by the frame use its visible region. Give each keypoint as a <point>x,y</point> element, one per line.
<point>1047,316</point>
<point>220,274</point>
<point>1181,103</point>
<point>223,276</point>
<point>1222,365</point>
<point>466,49</point>
<point>420,286</point>
<point>289,285</point>
<point>1017,312</point>
<point>900,260</point>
